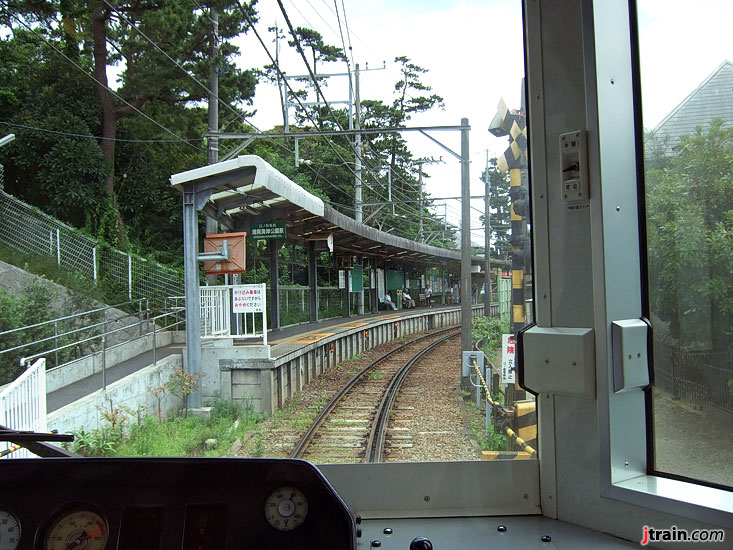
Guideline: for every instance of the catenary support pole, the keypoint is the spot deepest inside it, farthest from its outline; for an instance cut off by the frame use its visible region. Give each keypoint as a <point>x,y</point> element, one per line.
<point>357,151</point>
<point>487,246</point>
<point>213,140</point>
<point>191,279</point>
<point>465,291</point>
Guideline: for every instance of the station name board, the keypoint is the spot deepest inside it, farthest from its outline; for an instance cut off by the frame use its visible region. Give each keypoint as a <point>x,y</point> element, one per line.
<point>268,230</point>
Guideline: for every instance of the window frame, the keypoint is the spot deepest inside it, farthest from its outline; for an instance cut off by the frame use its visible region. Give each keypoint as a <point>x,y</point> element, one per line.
<point>626,454</point>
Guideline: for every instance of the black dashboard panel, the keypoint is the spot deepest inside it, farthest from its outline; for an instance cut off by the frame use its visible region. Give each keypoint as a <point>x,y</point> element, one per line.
<point>161,504</point>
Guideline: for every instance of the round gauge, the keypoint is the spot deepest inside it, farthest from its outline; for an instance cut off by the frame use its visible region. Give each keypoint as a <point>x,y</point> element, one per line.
<point>78,529</point>
<point>286,508</point>
<point>9,531</point>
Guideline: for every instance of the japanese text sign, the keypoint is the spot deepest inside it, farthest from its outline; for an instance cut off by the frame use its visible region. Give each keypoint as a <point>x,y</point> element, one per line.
<point>248,298</point>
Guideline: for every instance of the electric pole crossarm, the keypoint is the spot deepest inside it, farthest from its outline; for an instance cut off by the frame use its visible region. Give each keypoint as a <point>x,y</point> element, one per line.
<point>363,131</point>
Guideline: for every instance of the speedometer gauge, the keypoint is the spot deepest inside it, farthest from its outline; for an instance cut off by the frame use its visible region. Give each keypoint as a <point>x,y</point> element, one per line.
<point>286,508</point>
<point>77,529</point>
<point>9,531</point>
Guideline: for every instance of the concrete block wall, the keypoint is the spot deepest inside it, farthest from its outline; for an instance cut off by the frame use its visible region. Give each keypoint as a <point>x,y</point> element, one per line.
<point>269,383</point>
<point>74,371</point>
<point>132,392</point>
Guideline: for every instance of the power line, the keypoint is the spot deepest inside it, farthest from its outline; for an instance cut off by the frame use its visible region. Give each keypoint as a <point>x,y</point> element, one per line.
<point>348,33</point>
<point>311,25</point>
<point>307,114</point>
<point>277,68</point>
<point>310,72</point>
<point>192,77</point>
<point>343,45</point>
<point>317,13</point>
<point>238,116</point>
<point>54,48</point>
<point>71,134</point>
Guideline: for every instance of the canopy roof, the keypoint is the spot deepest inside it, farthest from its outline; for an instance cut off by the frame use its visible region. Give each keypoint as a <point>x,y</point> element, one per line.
<point>247,190</point>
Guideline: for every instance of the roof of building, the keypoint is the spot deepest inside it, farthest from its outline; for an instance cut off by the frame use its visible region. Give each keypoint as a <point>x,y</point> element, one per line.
<point>247,190</point>
<point>713,98</point>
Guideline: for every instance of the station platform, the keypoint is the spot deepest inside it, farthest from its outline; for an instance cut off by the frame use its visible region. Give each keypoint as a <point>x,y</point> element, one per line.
<point>297,354</point>
<point>288,339</point>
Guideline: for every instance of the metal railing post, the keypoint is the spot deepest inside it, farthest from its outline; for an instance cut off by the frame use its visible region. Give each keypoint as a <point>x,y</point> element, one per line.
<point>104,352</point>
<point>155,351</point>
<point>55,344</point>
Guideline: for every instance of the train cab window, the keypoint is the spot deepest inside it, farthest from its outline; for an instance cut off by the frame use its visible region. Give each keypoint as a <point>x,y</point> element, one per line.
<point>687,111</point>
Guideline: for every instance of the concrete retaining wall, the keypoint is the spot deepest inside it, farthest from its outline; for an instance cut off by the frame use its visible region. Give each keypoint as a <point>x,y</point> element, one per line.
<point>269,383</point>
<point>132,392</point>
<point>69,373</point>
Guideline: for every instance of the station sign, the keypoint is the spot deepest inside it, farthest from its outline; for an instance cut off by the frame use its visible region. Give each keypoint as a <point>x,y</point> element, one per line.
<point>508,353</point>
<point>248,298</point>
<point>268,230</point>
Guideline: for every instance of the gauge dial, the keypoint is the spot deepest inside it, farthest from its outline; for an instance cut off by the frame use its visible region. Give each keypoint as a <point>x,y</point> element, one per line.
<point>9,531</point>
<point>77,529</point>
<point>286,508</point>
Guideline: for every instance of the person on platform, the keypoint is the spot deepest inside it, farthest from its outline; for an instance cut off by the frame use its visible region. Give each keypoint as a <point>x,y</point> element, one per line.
<point>407,301</point>
<point>388,301</point>
<point>428,296</point>
<point>449,296</point>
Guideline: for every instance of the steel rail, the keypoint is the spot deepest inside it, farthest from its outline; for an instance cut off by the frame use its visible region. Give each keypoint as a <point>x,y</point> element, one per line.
<point>305,441</point>
<point>375,445</point>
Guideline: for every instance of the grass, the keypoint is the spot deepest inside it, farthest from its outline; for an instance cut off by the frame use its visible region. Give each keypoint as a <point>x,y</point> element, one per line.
<point>477,422</point>
<point>174,435</point>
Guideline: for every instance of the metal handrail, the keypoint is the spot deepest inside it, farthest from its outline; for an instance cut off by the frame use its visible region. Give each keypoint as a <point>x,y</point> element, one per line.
<point>103,336</point>
<point>68,317</point>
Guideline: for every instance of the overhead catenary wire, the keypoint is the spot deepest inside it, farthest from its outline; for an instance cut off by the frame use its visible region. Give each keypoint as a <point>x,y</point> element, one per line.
<point>348,32</point>
<point>343,46</point>
<point>238,115</point>
<point>311,74</point>
<point>277,67</point>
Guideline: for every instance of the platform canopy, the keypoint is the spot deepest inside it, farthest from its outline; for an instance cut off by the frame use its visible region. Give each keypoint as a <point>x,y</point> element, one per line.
<point>247,190</point>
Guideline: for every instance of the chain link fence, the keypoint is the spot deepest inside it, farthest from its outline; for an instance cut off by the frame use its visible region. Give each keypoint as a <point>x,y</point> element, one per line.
<point>29,230</point>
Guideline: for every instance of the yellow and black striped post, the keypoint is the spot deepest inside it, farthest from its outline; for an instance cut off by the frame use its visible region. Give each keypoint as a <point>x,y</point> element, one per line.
<point>514,160</point>
<point>525,421</point>
<point>505,455</point>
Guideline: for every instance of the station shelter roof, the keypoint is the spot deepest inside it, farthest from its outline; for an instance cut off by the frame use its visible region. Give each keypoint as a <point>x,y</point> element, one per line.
<point>247,190</point>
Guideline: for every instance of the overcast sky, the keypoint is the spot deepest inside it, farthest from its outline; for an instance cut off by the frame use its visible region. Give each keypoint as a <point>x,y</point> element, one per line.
<point>473,50</point>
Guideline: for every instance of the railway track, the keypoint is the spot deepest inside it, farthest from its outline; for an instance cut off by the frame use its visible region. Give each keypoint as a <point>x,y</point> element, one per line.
<point>353,425</point>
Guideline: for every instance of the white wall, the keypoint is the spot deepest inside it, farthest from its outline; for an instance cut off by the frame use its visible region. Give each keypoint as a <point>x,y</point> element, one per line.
<point>132,391</point>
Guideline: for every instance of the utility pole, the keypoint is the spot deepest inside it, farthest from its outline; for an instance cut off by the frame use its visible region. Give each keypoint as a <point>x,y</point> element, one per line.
<point>212,227</point>
<point>389,187</point>
<point>420,235</point>
<point>357,149</point>
<point>487,247</point>
<point>354,103</point>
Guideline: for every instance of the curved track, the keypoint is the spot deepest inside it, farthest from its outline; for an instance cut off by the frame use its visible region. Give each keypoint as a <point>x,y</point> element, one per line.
<point>355,420</point>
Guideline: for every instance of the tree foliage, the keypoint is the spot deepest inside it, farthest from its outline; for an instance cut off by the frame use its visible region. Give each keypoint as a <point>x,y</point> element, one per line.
<point>149,122</point>
<point>500,219</point>
<point>690,239</point>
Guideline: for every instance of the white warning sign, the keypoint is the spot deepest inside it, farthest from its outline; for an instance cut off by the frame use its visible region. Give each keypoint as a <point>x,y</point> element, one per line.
<point>508,350</point>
